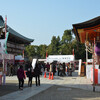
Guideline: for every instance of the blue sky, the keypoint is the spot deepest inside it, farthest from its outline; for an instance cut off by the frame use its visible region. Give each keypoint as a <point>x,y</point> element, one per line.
<point>42,19</point>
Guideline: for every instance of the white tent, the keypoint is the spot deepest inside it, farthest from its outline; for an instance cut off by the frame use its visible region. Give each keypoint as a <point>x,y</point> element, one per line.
<point>60,58</point>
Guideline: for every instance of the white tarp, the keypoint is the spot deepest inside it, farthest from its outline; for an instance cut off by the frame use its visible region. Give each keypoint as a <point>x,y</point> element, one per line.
<point>90,60</point>
<point>34,63</point>
<point>88,70</point>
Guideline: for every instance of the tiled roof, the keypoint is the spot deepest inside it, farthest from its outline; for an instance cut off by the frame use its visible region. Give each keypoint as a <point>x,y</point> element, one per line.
<point>13,32</point>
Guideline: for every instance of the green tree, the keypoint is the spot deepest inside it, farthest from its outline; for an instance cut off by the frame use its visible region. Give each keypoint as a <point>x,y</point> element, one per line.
<point>67,36</point>
<point>53,48</point>
<point>66,43</point>
<point>42,51</point>
<point>30,51</point>
<point>57,46</point>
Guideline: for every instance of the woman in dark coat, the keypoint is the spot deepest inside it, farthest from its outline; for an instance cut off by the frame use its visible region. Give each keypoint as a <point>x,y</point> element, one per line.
<point>21,76</point>
<point>37,73</point>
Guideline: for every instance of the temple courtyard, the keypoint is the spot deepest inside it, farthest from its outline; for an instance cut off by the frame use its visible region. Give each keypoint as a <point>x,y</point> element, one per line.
<point>60,88</point>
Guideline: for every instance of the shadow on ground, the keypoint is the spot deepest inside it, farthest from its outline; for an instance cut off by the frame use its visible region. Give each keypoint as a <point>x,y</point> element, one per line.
<point>8,88</point>
<point>65,93</point>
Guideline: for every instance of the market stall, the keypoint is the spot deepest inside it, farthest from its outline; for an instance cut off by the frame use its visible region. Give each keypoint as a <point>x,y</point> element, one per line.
<point>5,59</point>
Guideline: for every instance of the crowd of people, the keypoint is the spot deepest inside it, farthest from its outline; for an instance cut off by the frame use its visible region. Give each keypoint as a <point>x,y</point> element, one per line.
<point>36,72</point>
<point>40,68</point>
<point>59,68</point>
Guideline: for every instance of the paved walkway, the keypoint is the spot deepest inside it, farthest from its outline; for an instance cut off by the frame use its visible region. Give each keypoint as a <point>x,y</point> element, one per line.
<point>57,92</point>
<point>73,82</point>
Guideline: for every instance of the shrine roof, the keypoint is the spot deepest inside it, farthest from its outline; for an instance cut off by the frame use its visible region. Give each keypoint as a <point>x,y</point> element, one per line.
<point>87,30</point>
<point>89,23</point>
<point>14,33</point>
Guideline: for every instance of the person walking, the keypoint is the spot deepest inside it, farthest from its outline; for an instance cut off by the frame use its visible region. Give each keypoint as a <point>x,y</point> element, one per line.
<point>37,74</point>
<point>20,76</point>
<point>61,70</point>
<point>64,69</point>
<point>58,68</point>
<point>30,76</point>
<point>54,68</point>
<point>51,67</point>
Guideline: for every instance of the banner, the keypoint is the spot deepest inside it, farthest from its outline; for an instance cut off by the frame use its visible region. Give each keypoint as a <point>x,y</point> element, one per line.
<point>79,70</point>
<point>3,44</point>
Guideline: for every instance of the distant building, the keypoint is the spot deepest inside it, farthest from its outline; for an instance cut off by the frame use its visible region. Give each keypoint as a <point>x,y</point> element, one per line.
<point>13,42</point>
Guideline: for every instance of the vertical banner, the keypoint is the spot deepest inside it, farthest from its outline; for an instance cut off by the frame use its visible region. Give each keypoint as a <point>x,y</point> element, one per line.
<point>98,76</point>
<point>79,70</point>
<point>3,44</point>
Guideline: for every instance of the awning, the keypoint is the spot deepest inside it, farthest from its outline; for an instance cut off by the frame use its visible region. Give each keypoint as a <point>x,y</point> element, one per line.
<point>88,30</point>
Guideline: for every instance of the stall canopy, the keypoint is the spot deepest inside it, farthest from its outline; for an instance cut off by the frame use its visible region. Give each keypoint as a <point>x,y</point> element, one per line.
<point>87,30</point>
<point>19,59</point>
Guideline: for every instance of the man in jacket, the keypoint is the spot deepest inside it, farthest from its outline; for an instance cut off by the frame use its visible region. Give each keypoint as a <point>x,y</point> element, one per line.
<point>37,72</point>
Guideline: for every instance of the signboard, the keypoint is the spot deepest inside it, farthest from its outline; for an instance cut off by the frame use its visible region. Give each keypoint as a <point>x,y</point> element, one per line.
<point>60,58</point>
